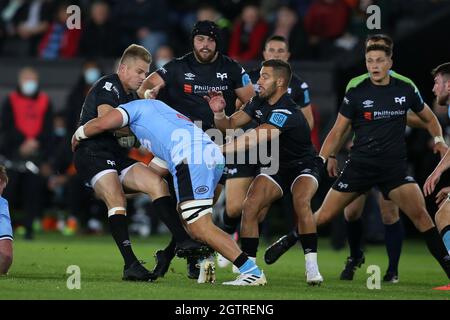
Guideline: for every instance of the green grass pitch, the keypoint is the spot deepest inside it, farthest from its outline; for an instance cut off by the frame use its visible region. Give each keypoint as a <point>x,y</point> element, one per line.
<point>39,272</point>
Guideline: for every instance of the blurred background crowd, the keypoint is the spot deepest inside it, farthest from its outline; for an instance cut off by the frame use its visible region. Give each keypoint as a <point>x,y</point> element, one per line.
<point>47,69</point>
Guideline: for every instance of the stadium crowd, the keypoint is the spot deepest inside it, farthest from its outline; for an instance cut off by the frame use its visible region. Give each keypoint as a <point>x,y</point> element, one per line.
<point>40,168</point>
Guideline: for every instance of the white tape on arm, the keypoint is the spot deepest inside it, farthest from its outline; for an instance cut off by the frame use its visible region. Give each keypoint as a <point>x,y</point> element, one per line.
<point>125,118</point>
<point>79,134</point>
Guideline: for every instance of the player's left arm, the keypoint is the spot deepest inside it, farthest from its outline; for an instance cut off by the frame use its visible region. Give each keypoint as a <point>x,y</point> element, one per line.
<point>252,138</point>
<point>434,128</point>
<point>244,94</point>
<point>112,120</point>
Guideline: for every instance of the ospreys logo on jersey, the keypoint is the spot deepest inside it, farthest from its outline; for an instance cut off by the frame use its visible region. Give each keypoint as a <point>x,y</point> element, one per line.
<point>400,100</point>
<point>221,76</point>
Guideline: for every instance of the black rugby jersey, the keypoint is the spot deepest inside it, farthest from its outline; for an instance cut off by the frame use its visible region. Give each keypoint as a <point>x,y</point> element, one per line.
<point>378,115</point>
<point>187,81</point>
<point>295,137</point>
<point>298,89</point>
<point>107,90</point>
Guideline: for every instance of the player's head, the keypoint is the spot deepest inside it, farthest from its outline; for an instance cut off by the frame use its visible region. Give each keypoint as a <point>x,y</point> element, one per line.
<point>274,77</point>
<point>276,47</point>
<point>441,86</point>
<point>380,38</point>
<point>134,66</point>
<point>205,36</point>
<point>378,62</point>
<point>3,179</point>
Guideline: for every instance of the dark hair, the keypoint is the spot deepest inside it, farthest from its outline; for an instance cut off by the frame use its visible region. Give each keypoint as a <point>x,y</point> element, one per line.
<point>380,37</point>
<point>3,174</point>
<point>207,28</point>
<point>277,38</point>
<point>379,47</point>
<point>281,68</point>
<point>442,69</point>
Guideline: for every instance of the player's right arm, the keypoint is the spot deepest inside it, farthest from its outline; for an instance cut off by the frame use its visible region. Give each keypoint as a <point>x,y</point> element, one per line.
<point>221,120</point>
<point>149,89</point>
<point>114,119</point>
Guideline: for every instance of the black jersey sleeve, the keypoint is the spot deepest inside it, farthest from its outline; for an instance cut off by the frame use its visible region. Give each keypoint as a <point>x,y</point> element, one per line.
<point>167,71</point>
<point>299,92</point>
<point>283,119</point>
<point>348,108</point>
<point>239,76</point>
<point>107,93</point>
<point>250,107</point>
<point>416,101</point>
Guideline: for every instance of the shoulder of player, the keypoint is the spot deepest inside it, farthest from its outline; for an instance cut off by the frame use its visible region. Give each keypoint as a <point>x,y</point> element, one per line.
<point>298,82</point>
<point>403,81</point>
<point>356,81</point>
<point>285,105</point>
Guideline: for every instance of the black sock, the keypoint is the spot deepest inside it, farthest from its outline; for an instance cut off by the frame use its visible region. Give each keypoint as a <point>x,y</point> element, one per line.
<point>250,246</point>
<point>394,240</point>
<point>170,249</point>
<point>165,209</point>
<point>119,230</point>
<point>309,242</point>
<point>229,223</point>
<point>354,236</point>
<point>293,237</point>
<point>240,260</point>
<point>437,249</point>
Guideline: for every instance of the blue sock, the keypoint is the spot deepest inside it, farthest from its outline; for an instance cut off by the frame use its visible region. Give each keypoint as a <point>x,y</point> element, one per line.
<point>445,233</point>
<point>250,267</point>
<point>394,240</point>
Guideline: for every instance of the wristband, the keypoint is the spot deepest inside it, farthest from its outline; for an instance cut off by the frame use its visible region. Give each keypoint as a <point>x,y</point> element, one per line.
<point>219,115</point>
<point>332,157</point>
<point>438,139</point>
<point>79,134</point>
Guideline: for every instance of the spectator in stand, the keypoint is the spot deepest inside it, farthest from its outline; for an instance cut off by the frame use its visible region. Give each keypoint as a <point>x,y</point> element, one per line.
<point>142,21</point>
<point>59,41</point>
<point>209,12</point>
<point>248,34</point>
<point>27,126</point>
<point>163,55</point>
<point>325,21</point>
<point>290,26</point>
<point>98,38</point>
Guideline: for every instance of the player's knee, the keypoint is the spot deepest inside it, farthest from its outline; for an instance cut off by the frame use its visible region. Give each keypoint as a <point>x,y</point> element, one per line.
<point>421,219</point>
<point>234,208</point>
<point>351,214</point>
<point>6,259</point>
<point>302,205</point>
<point>390,217</point>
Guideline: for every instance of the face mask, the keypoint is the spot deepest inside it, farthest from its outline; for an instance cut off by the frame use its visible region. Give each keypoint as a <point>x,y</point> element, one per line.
<point>29,87</point>
<point>91,75</point>
<point>161,62</point>
<point>60,132</point>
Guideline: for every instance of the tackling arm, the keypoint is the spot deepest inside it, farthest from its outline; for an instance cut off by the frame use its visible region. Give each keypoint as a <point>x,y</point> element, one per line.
<point>252,138</point>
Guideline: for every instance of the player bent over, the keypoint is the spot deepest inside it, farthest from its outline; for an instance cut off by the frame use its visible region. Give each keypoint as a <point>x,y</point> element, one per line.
<point>173,138</point>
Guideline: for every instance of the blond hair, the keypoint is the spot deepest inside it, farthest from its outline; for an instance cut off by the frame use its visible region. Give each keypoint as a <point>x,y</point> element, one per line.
<point>135,51</point>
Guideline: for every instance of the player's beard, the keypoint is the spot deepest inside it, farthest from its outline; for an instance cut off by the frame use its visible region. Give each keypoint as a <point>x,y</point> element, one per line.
<point>443,100</point>
<point>205,59</point>
<point>268,92</point>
